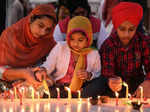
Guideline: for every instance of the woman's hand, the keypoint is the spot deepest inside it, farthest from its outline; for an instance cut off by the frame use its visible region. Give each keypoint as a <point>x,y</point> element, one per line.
<point>146,91</point>
<point>115,83</point>
<point>84,75</point>
<point>40,73</point>
<point>29,77</point>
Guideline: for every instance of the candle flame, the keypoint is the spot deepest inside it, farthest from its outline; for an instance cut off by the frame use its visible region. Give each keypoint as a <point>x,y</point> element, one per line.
<point>69,92</point>
<point>57,89</point>
<point>117,94</point>
<point>125,84</point>
<point>129,95</point>
<point>79,94</point>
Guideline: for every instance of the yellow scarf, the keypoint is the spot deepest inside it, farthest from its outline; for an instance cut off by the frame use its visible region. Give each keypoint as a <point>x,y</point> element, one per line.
<point>76,83</point>
<point>83,24</point>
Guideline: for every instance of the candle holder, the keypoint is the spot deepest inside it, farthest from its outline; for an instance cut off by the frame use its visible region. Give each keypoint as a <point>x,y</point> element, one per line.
<point>136,105</point>
<point>94,100</point>
<point>104,99</point>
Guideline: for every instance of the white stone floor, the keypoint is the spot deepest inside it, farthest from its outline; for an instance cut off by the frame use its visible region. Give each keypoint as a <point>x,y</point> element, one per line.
<point>64,105</point>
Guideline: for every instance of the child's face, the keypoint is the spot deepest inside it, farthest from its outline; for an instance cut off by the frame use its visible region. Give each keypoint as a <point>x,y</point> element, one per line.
<point>126,32</point>
<point>78,41</point>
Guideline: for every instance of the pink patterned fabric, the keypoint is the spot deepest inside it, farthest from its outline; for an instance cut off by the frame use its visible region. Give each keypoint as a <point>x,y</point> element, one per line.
<point>68,77</point>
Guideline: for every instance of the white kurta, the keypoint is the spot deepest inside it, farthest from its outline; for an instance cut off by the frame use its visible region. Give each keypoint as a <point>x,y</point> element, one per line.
<point>58,61</point>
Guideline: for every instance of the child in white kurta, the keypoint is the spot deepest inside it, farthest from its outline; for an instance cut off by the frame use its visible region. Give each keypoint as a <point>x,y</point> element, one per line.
<point>73,62</point>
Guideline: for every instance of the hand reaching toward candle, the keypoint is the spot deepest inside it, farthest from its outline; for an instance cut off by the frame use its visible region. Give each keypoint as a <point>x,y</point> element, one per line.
<point>146,90</point>
<point>41,74</point>
<point>115,83</point>
<point>84,75</point>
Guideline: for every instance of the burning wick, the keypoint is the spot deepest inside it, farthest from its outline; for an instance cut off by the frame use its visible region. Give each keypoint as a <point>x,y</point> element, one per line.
<point>127,89</point>
<point>79,94</point>
<point>58,93</point>
<point>69,92</point>
<point>117,95</point>
<point>141,92</point>
<point>32,92</point>
<point>38,95</point>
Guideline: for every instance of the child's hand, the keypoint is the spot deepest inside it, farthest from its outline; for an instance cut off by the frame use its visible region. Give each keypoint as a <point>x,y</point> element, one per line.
<point>84,75</point>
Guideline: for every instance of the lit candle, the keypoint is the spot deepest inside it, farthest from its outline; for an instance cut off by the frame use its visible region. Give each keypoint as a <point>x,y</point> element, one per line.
<point>46,89</point>
<point>79,94</point>
<point>48,93</point>
<point>11,95</point>
<point>127,89</point>
<point>20,96</point>
<point>38,95</point>
<point>15,92</point>
<point>69,93</point>
<point>141,92</point>
<point>117,95</point>
<point>58,93</point>
<point>23,92</point>
<point>99,101</point>
<point>130,96</point>
<point>32,93</point>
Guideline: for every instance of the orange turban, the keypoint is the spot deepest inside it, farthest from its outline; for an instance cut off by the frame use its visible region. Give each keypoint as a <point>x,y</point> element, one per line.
<point>126,11</point>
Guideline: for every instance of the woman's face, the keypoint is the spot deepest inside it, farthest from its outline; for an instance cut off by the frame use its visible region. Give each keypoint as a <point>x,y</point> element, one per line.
<point>126,32</point>
<point>78,41</point>
<point>41,27</point>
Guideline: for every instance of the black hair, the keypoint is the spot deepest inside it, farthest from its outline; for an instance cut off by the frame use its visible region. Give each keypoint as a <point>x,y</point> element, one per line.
<point>66,3</point>
<point>34,17</point>
<point>80,3</point>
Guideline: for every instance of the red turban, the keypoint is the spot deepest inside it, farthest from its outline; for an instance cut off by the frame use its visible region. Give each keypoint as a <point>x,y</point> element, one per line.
<point>126,11</point>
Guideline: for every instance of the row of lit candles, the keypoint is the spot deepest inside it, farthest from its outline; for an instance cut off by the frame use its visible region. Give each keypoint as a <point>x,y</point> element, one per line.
<point>128,94</point>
